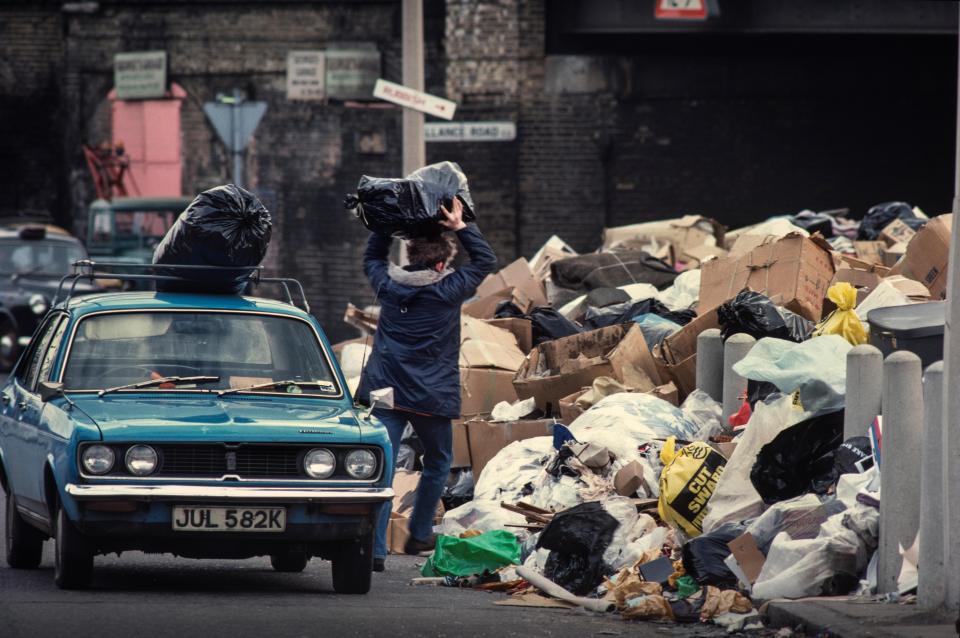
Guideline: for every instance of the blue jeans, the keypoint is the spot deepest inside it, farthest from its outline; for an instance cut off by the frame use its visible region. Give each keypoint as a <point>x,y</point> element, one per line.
<point>436,435</point>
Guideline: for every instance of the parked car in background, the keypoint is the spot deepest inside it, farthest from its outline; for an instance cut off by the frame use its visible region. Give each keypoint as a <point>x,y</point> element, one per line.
<point>203,425</point>
<point>127,229</point>
<point>33,259</point>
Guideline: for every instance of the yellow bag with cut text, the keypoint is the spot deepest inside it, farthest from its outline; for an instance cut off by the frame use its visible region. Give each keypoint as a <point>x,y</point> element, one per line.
<point>844,320</point>
<point>687,482</point>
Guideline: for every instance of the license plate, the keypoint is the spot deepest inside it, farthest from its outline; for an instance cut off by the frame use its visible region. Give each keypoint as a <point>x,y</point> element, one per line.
<point>187,518</point>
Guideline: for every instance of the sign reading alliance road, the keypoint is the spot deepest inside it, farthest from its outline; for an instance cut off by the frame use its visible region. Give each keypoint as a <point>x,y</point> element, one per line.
<point>417,100</point>
<point>470,131</point>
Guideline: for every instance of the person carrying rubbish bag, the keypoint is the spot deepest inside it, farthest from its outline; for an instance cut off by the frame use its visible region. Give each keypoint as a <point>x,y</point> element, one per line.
<point>416,351</point>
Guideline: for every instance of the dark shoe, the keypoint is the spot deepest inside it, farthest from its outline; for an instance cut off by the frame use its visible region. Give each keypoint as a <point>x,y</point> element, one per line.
<point>414,546</point>
<point>379,564</point>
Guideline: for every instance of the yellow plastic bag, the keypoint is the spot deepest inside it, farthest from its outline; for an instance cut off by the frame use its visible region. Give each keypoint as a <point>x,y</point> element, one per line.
<point>687,482</point>
<point>844,320</point>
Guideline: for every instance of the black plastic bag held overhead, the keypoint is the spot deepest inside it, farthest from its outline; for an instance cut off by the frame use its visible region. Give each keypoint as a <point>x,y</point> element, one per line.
<point>225,226</point>
<point>410,207</point>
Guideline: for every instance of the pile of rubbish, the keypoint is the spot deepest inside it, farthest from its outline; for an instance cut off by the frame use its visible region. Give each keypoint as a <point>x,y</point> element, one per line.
<point>589,469</point>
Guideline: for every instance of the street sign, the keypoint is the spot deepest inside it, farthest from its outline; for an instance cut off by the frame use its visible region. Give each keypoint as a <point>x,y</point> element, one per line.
<point>680,10</point>
<point>140,75</point>
<point>235,122</point>
<point>306,74</point>
<point>417,100</point>
<point>470,131</point>
<point>352,70</point>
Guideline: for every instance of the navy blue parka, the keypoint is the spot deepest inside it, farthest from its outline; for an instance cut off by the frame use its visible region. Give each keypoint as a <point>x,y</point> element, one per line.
<point>416,349</point>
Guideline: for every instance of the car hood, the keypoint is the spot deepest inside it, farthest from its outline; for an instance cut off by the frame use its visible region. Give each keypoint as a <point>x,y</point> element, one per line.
<point>194,417</point>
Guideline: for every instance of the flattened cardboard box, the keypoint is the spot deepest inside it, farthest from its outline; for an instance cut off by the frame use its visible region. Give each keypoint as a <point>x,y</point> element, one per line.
<point>461,446</point>
<point>517,275</point>
<point>685,232</point>
<point>563,366</point>
<point>483,388</point>
<point>486,438</point>
<point>522,330</point>
<point>676,356</point>
<point>897,232</point>
<point>928,255</point>
<point>870,251</point>
<point>486,346</point>
<point>794,272</point>
<point>484,307</point>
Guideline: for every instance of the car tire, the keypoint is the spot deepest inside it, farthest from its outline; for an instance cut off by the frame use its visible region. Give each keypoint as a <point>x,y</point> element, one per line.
<point>24,542</point>
<point>289,562</point>
<point>353,566</point>
<point>73,560</point>
<point>9,349</point>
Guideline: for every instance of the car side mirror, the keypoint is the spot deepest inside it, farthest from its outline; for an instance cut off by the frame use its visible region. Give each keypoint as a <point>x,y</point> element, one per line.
<point>381,398</point>
<point>50,390</point>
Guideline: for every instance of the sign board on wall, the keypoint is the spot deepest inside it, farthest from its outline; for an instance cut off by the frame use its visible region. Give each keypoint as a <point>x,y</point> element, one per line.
<point>306,75</point>
<point>680,10</point>
<point>352,70</point>
<point>412,99</point>
<point>140,75</point>
<point>470,131</point>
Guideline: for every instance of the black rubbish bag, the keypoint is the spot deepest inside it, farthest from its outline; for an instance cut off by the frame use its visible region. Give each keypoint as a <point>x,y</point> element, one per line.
<point>754,314</point>
<point>703,556</point>
<point>225,226</point>
<point>548,324</point>
<point>758,391</point>
<point>880,216</point>
<point>799,460</point>
<point>595,318</point>
<point>577,539</point>
<point>854,456</point>
<point>410,207</point>
<point>603,297</point>
<point>610,270</point>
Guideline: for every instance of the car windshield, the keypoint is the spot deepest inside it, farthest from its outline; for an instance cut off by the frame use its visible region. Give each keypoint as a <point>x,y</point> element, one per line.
<point>242,349</point>
<point>144,228</point>
<point>21,257</point>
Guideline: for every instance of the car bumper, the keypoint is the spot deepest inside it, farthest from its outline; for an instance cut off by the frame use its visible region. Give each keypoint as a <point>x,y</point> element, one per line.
<point>229,494</point>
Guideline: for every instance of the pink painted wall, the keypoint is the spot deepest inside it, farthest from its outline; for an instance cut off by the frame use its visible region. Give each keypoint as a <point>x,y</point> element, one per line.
<point>150,132</point>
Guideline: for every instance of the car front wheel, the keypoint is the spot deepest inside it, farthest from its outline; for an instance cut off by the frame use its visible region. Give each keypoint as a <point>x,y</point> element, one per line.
<point>353,566</point>
<point>24,542</point>
<point>73,560</point>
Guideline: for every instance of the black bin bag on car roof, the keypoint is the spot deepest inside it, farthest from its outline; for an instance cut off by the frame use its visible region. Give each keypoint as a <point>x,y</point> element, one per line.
<point>410,207</point>
<point>577,538</point>
<point>226,226</point>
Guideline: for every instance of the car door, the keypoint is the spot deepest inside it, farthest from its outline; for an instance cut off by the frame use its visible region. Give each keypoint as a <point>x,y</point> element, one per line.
<point>25,444</point>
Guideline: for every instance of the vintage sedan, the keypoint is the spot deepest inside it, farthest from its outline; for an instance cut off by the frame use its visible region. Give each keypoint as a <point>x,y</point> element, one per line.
<point>194,424</point>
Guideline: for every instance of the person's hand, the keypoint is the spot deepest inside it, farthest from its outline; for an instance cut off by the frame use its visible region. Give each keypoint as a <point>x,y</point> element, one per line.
<point>453,220</point>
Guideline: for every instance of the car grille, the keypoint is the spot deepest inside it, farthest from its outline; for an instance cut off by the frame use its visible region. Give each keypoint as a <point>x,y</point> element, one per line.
<point>245,461</point>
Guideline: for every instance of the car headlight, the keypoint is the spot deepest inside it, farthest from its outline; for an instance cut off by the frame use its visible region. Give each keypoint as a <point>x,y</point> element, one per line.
<point>319,463</point>
<point>141,460</point>
<point>98,459</point>
<point>38,304</point>
<point>361,464</point>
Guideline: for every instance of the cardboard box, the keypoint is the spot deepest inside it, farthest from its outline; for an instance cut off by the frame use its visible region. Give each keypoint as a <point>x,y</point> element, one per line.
<point>897,232</point>
<point>683,233</point>
<point>859,274</point>
<point>928,255</point>
<point>870,251</point>
<point>794,272</point>
<point>517,275</point>
<point>748,555</point>
<point>569,410</point>
<point>486,346</point>
<point>461,446</point>
<point>628,479</point>
<point>522,330</point>
<point>558,368</point>
<point>486,438</point>
<point>668,392</point>
<point>676,356</point>
<point>893,254</point>
<point>483,388</point>
<point>486,306</point>
<point>398,531</point>
<point>696,256</point>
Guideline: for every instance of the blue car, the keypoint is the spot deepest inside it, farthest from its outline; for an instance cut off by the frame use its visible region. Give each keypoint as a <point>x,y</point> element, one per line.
<point>203,425</point>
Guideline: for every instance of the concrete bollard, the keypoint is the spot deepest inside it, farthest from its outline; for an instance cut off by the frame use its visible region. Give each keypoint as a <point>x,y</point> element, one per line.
<point>900,463</point>
<point>736,348</point>
<point>710,363</point>
<point>864,389</point>
<point>932,585</point>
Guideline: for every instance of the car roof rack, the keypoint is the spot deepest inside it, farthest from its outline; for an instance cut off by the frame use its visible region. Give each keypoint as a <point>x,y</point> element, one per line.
<point>87,269</point>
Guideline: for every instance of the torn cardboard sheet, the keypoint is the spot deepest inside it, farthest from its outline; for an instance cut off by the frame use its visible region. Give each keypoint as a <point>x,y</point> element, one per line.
<point>516,275</point>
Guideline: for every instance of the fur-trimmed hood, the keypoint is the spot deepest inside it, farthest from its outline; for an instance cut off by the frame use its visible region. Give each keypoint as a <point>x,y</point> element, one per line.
<point>416,278</point>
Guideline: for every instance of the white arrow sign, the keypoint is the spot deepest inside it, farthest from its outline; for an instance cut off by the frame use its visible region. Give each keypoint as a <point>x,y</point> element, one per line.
<point>417,100</point>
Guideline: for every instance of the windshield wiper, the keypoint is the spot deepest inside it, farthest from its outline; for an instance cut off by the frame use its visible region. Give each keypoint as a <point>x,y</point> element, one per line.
<point>160,381</point>
<point>326,385</point>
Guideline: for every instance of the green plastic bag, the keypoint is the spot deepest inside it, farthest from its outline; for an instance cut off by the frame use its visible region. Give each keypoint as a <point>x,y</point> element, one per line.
<point>468,556</point>
<point>686,586</point>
